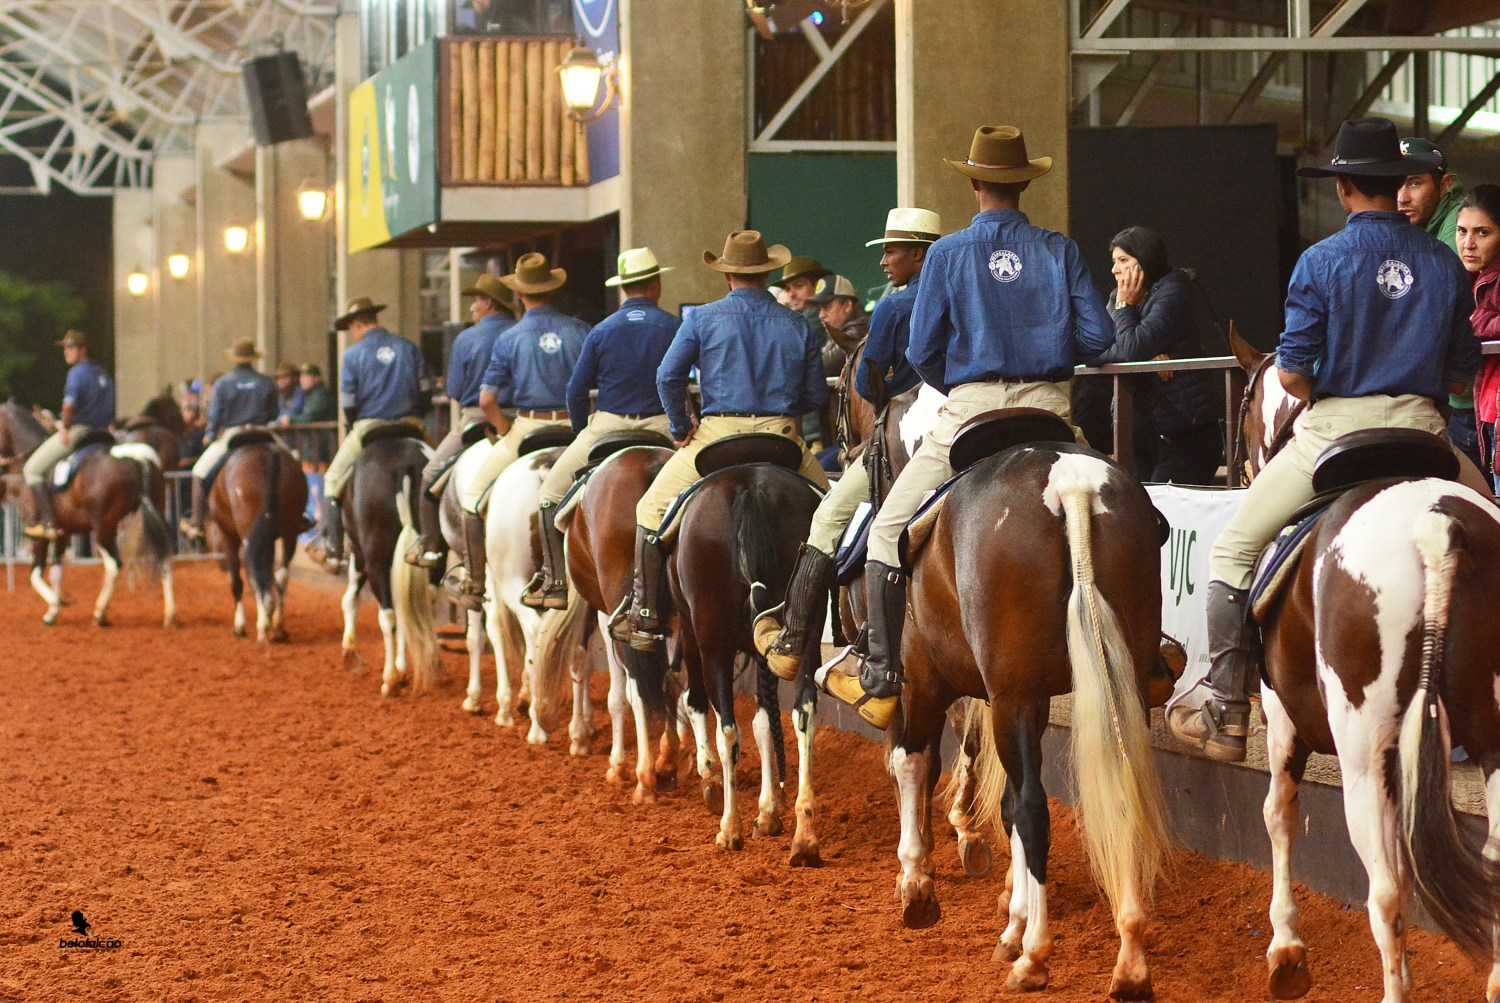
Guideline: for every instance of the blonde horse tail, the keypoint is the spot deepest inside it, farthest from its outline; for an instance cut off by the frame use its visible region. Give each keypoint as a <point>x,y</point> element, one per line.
<point>1459,888</point>
<point>558,636</point>
<point>411,595</point>
<point>1120,802</point>
<point>986,769</point>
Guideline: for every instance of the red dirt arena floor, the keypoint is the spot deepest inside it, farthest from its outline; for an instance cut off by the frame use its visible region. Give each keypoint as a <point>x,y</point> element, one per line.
<point>259,823</point>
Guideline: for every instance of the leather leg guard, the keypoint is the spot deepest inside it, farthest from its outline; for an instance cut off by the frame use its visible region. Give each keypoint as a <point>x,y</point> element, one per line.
<point>548,588</point>
<point>45,526</point>
<point>471,595</point>
<point>192,526</point>
<point>1222,726</point>
<point>429,552</point>
<point>876,692</point>
<point>645,612</point>
<point>781,632</point>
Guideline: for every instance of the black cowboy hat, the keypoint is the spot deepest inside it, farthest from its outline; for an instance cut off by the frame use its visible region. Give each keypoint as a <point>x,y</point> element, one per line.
<point>1370,147</point>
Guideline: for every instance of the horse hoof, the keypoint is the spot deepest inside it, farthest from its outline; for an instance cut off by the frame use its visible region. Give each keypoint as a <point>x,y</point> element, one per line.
<point>50,620</point>
<point>975,854</point>
<point>734,842</point>
<point>352,661</point>
<point>281,637</point>
<point>578,747</point>
<point>1130,989</point>
<point>713,797</point>
<point>643,795</point>
<point>919,906</point>
<point>102,621</point>
<point>616,773</point>
<point>170,623</point>
<point>805,854</point>
<point>1007,951</point>
<point>768,825</point>
<point>1026,977</point>
<point>666,780</point>
<point>471,706</point>
<point>240,632</point>
<point>1289,980</point>
<point>387,690</point>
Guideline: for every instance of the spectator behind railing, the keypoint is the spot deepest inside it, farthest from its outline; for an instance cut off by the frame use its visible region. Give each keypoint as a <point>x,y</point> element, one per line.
<point>1178,438</point>
<point>314,445</point>
<point>1478,236</point>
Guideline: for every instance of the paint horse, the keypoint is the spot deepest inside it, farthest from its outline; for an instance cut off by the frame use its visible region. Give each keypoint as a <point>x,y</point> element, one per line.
<point>1381,649</point>
<point>111,484</point>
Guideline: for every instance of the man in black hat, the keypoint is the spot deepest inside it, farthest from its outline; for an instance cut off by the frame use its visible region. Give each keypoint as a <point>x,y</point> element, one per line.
<point>1377,332</point>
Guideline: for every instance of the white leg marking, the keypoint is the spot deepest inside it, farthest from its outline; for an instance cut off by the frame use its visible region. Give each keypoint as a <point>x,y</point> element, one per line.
<point>1286,952</point>
<point>168,596</point>
<point>621,694</point>
<point>1018,909</point>
<point>111,574</point>
<point>48,593</point>
<point>474,639</point>
<point>351,609</point>
<point>770,790</point>
<point>729,837</point>
<point>388,674</point>
<point>804,839</point>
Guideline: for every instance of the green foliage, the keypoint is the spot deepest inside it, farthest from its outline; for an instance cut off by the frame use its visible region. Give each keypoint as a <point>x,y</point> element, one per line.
<point>33,316</point>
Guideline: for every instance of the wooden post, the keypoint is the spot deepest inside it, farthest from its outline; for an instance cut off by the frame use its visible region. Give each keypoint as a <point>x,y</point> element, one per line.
<point>551,111</point>
<point>468,55</point>
<point>1124,422</point>
<point>485,169</point>
<point>455,112</point>
<point>517,170</point>
<point>581,156</point>
<point>502,110</point>
<point>534,110</point>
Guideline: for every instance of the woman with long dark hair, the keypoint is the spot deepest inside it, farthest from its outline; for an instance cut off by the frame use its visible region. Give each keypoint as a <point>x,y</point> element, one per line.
<point>1477,234</point>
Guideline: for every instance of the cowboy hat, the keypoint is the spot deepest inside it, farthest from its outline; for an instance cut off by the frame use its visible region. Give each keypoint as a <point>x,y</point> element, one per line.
<point>746,253</point>
<point>74,339</point>
<point>802,267</point>
<point>909,226</point>
<point>998,154</point>
<point>636,264</point>
<point>243,350</point>
<point>286,370</point>
<point>1371,147</point>
<point>490,286</point>
<point>532,275</point>
<point>356,307</point>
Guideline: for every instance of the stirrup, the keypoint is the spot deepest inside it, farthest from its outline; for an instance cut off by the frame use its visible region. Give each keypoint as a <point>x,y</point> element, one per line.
<point>1223,740</point>
<point>191,530</point>
<point>534,595</point>
<point>877,711</point>
<point>41,531</point>
<point>768,632</point>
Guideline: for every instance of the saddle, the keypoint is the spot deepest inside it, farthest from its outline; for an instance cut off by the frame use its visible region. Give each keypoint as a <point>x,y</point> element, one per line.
<point>546,437</point>
<point>472,434</point>
<point>670,522</point>
<point>395,429</point>
<point>253,435</point>
<point>748,447</point>
<point>606,448</point>
<point>67,468</point>
<point>612,442</point>
<point>992,432</point>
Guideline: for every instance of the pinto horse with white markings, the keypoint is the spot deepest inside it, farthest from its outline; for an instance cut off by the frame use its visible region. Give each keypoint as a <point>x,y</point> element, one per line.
<point>257,502</point>
<point>1380,649</point>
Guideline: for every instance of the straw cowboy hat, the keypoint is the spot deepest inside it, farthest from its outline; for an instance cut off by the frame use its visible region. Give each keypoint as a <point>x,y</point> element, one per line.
<point>802,267</point>
<point>910,226</point>
<point>356,307</point>
<point>74,339</point>
<point>1371,147</point>
<point>637,264</point>
<point>491,286</point>
<point>243,350</point>
<point>746,253</point>
<point>532,276</point>
<point>998,154</point>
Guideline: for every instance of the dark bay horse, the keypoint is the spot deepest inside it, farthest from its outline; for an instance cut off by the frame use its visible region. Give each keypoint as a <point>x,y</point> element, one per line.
<point>1381,650</point>
<point>160,426</point>
<point>257,502</point>
<point>110,485</point>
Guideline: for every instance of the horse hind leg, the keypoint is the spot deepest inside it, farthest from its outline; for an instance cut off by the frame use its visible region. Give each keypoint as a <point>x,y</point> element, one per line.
<point>621,696</point>
<point>1018,740</point>
<point>581,727</point>
<point>767,739</point>
<point>805,849</point>
<point>168,596</point>
<point>1491,849</point>
<point>910,766</point>
<point>390,677</point>
<point>352,660</point>
<point>111,560</point>
<point>729,836</point>
<point>1286,957</point>
<point>236,584</point>
<point>1371,816</point>
<point>474,635</point>
<point>51,592</point>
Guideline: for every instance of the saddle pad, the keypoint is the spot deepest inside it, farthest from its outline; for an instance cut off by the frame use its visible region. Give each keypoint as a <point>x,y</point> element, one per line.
<point>673,519</point>
<point>919,527</point>
<point>67,468</point>
<point>850,559</point>
<point>1280,561</point>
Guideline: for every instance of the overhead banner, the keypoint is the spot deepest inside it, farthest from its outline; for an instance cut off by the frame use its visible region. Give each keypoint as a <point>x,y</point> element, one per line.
<point>393,183</point>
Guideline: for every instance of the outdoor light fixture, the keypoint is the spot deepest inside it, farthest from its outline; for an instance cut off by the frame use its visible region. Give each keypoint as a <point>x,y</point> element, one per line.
<point>137,282</point>
<point>178,265</point>
<point>312,202</point>
<point>236,239</point>
<point>582,73</point>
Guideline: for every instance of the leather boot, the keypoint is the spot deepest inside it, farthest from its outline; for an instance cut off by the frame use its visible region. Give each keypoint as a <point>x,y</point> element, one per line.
<point>1222,725</point>
<point>781,632</point>
<point>45,525</point>
<point>192,526</point>
<point>644,621</point>
<point>429,552</point>
<point>548,588</point>
<point>876,691</point>
<point>471,594</point>
<point>331,554</point>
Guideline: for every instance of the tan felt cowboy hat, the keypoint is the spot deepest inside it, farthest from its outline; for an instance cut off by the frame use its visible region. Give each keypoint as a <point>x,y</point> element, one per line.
<point>998,154</point>
<point>532,275</point>
<point>74,339</point>
<point>287,370</point>
<point>802,267</point>
<point>243,350</point>
<point>492,287</point>
<point>356,307</point>
<point>910,226</point>
<point>636,264</point>
<point>746,253</point>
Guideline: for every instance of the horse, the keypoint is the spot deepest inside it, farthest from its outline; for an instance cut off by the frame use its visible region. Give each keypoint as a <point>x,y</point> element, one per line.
<point>379,506</point>
<point>1380,650</point>
<point>108,486</point>
<point>257,502</point>
<point>160,426</point>
<point>1058,589</point>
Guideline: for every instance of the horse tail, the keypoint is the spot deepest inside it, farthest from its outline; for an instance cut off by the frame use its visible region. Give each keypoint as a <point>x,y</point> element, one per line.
<point>146,543</point>
<point>559,633</point>
<point>986,769</point>
<point>1119,793</point>
<point>260,544</point>
<point>756,554</point>
<point>1459,888</point>
<point>411,594</point>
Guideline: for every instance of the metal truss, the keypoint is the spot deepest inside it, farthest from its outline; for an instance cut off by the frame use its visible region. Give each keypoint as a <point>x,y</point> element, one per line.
<point>92,90</point>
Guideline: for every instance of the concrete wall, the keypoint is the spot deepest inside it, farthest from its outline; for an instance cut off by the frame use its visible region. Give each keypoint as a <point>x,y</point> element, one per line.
<point>295,307</point>
<point>228,281</point>
<point>136,349</point>
<point>176,232</point>
<point>683,136</point>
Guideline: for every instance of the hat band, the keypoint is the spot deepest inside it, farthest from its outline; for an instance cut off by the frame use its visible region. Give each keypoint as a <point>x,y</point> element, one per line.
<point>1359,161</point>
<point>628,277</point>
<point>909,235</point>
<point>997,167</point>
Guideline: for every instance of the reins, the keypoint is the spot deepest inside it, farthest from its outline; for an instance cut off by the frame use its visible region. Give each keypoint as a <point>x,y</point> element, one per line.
<point>1281,434</point>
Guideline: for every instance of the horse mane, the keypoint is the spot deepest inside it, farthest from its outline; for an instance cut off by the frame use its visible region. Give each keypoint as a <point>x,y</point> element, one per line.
<point>22,420</point>
<point>164,409</point>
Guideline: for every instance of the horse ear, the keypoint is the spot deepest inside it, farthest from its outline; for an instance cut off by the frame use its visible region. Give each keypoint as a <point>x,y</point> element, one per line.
<point>1244,352</point>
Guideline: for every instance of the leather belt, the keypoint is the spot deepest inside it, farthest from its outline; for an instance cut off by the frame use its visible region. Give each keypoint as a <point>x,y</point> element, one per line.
<point>744,414</point>
<point>638,417</point>
<point>555,414</point>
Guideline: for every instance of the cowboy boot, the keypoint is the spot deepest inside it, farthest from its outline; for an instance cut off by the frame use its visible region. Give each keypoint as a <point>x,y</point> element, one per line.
<point>642,627</point>
<point>44,527</point>
<point>192,527</point>
<point>1222,725</point>
<point>331,553</point>
<point>429,549</point>
<point>781,632</point>
<point>876,691</point>
<point>548,588</point>
<point>471,593</point>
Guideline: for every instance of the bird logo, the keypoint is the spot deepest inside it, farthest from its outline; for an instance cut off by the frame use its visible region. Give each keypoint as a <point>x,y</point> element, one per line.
<point>80,925</point>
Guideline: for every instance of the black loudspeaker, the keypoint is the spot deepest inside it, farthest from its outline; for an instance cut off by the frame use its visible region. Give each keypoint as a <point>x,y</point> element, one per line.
<point>276,92</point>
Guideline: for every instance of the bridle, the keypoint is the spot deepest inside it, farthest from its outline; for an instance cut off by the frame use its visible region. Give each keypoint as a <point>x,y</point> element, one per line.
<point>1281,434</point>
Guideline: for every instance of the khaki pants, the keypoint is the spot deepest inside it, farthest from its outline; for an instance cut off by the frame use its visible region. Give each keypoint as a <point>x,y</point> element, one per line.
<point>929,468</point>
<point>501,455</point>
<point>49,453</point>
<point>1285,484</point>
<point>342,464</point>
<point>453,442</point>
<point>577,454</point>
<point>680,472</point>
<point>838,507</point>
<point>212,455</point>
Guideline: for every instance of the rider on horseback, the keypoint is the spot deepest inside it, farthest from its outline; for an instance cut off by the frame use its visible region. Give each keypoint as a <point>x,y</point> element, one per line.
<point>382,378</point>
<point>241,397</point>
<point>1006,310</point>
<point>760,368</point>
<point>528,369</point>
<point>492,315</point>
<point>620,358</point>
<point>1377,332</point>
<point>781,632</point>
<point>88,406</point>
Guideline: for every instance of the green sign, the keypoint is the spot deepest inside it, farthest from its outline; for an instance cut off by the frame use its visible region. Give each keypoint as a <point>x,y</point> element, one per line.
<point>393,182</point>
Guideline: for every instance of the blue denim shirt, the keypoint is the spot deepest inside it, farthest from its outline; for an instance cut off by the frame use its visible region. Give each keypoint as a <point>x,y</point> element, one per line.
<point>471,354</point>
<point>383,376</point>
<point>289,406</point>
<point>621,357</point>
<point>754,356</point>
<point>530,364</point>
<point>91,391</point>
<point>1005,299</point>
<point>242,396</point>
<point>1381,307</point>
<point>885,347</point>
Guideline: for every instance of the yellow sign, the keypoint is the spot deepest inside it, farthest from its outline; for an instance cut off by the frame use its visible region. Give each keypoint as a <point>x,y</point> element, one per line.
<point>367,223</point>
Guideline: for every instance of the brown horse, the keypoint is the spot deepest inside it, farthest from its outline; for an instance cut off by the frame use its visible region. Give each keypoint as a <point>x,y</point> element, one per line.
<point>109,485</point>
<point>257,501</point>
<point>160,426</point>
<point>1381,650</point>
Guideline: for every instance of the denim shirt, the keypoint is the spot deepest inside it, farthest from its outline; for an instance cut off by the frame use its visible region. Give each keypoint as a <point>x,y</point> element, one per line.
<point>621,357</point>
<point>886,344</point>
<point>1004,299</point>
<point>471,354</point>
<point>530,364</point>
<point>1381,307</point>
<point>383,376</point>
<point>91,392</point>
<point>754,356</point>
<point>242,396</point>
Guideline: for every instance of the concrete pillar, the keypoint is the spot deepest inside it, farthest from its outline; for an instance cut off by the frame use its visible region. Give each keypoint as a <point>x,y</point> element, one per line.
<point>228,281</point>
<point>966,63</point>
<point>295,306</point>
<point>136,348</point>
<point>175,225</point>
<point>683,136</point>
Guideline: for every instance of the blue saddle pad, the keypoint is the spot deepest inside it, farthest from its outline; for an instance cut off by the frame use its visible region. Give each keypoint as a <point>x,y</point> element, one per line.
<point>1269,575</point>
<point>67,468</point>
<point>849,562</point>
